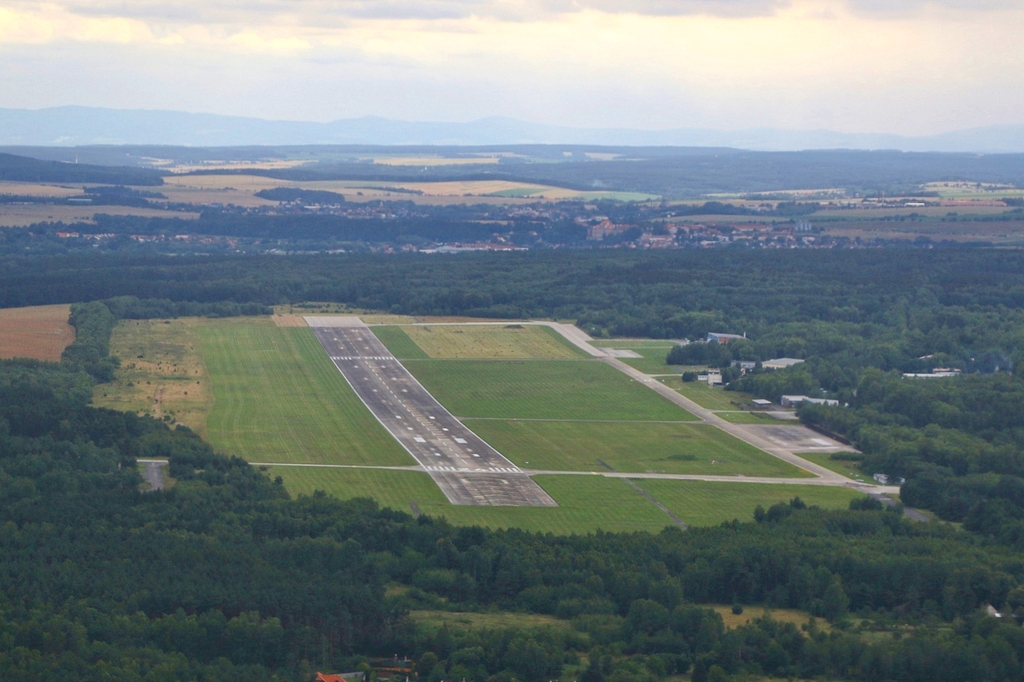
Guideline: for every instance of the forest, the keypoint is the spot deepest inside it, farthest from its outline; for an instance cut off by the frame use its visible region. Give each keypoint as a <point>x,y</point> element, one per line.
<point>25,169</point>
<point>223,576</point>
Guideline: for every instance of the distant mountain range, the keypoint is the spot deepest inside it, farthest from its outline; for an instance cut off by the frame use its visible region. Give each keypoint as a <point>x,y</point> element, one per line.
<point>75,126</point>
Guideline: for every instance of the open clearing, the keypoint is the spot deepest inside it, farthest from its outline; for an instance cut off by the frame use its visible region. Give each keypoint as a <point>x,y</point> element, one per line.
<point>586,503</point>
<point>271,394</point>
<point>278,398</point>
<point>39,332</point>
<point>700,503</point>
<point>750,613</point>
<point>467,620</point>
<point>630,447</point>
<point>550,389</point>
<point>499,342</point>
<point>162,372</point>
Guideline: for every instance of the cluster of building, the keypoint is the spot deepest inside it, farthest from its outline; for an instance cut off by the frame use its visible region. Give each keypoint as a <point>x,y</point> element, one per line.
<point>711,235</point>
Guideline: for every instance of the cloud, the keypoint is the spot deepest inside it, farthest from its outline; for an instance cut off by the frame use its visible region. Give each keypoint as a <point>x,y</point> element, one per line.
<point>909,66</point>
<point>166,14</point>
<point>332,11</point>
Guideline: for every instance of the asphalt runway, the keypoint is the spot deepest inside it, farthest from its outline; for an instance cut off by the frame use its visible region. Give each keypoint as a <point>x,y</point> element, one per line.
<point>466,469</point>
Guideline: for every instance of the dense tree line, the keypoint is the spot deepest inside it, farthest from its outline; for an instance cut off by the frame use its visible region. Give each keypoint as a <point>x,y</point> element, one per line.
<point>25,169</point>
<point>959,441</point>
<point>309,196</point>
<point>876,293</point>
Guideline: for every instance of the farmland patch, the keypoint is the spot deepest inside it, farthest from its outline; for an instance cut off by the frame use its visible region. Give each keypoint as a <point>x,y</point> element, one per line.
<point>39,332</point>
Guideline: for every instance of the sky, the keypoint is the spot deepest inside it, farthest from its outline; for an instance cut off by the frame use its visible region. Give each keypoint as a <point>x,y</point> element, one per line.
<point>911,67</point>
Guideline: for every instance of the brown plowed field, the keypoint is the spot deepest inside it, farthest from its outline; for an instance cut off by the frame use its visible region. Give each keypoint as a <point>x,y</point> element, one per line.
<point>290,321</point>
<point>41,332</point>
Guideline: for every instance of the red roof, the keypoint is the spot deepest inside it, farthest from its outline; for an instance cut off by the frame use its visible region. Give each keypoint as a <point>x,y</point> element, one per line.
<point>320,677</point>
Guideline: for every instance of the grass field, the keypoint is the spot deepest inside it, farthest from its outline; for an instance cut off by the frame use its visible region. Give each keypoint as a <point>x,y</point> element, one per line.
<point>706,396</point>
<point>632,447</point>
<point>553,389</point>
<point>845,468</point>
<point>162,372</point>
<point>653,360</point>
<point>653,351</point>
<point>586,503</point>
<point>278,398</point>
<point>496,342</point>
<point>699,503</point>
<point>794,616</point>
<point>39,332</point>
<point>398,342</point>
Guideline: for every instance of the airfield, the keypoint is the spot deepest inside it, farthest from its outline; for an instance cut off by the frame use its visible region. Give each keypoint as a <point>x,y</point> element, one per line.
<point>464,467</point>
<point>562,433</point>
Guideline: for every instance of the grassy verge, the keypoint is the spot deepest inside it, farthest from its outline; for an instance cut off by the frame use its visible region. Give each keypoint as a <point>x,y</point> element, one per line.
<point>398,342</point>
<point>278,398</point>
<point>700,503</point>
<point>586,503</point>
<point>653,351</point>
<point>498,341</point>
<point>634,447</point>
<point>542,390</point>
<point>842,467</point>
<point>706,396</point>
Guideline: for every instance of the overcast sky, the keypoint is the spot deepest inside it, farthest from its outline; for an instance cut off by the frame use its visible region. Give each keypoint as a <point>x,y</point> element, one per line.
<point>895,66</point>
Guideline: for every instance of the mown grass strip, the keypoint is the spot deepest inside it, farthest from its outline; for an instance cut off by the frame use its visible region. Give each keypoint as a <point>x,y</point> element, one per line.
<point>586,503</point>
<point>675,448</point>
<point>493,342</point>
<point>398,342</point>
<point>542,390</point>
<point>702,503</point>
<point>278,398</point>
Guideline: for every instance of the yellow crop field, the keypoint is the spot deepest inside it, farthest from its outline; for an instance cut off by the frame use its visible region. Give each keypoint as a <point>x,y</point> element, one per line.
<point>39,332</point>
<point>38,189</point>
<point>22,216</point>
